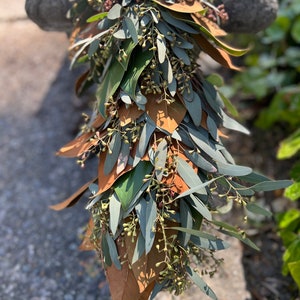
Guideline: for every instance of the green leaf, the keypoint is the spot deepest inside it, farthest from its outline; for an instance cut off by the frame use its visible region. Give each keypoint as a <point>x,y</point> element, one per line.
<point>203,239</point>
<point>93,48</point>
<point>113,153</point>
<point>271,185</point>
<point>200,161</point>
<point>105,250</point>
<point>256,209</point>
<point>113,251</point>
<point>115,12</point>
<point>233,124</point>
<point>128,185</point>
<point>125,53</point>
<point>139,249</point>
<point>215,79</point>
<point>294,268</point>
<point>160,158</point>
<point>96,17</point>
<point>131,29</point>
<point>232,170</point>
<point>293,191</point>
<point>201,283</point>
<point>182,55</point>
<point>186,221</point>
<point>201,207</point>
<point>295,32</point>
<point>193,105</point>
<point>129,83</point>
<point>114,213</point>
<point>109,84</point>
<point>289,146</point>
<point>230,107</point>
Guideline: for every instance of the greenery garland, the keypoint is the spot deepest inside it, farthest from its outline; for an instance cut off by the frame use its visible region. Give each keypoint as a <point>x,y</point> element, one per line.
<point>163,171</point>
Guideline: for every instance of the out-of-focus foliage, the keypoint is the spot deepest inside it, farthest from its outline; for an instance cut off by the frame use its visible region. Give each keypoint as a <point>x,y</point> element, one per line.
<point>272,76</point>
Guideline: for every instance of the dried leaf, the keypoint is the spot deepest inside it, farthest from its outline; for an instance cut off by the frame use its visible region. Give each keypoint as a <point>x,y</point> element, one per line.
<point>182,6</point>
<point>165,116</point>
<point>73,199</point>
<point>128,114</point>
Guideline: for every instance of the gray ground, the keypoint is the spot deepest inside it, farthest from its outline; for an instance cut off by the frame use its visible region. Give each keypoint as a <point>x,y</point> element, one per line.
<point>39,113</point>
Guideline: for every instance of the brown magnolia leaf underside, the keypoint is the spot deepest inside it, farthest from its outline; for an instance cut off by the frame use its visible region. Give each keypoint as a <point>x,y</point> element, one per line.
<point>128,114</point>
<point>217,54</point>
<point>73,199</point>
<point>166,116</point>
<point>182,6</point>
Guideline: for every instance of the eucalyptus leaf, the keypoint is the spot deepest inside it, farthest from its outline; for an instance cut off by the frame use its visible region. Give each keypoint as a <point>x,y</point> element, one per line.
<point>115,12</point>
<point>161,48</point>
<point>93,48</point>
<point>131,29</point>
<point>186,221</point>
<point>182,55</point>
<point>151,214</point>
<point>160,159</point>
<point>233,124</point>
<point>105,251</point>
<point>114,213</point>
<point>212,127</point>
<point>201,283</point>
<point>256,209</point>
<point>157,288</point>
<point>112,155</point>
<point>123,157</point>
<point>113,251</point>
<point>200,161</point>
<point>232,170</point>
<point>139,249</point>
<point>271,185</point>
<point>200,207</point>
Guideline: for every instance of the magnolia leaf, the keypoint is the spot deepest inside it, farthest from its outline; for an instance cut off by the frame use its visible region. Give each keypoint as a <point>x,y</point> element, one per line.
<point>130,80</point>
<point>113,252</point>
<point>74,198</point>
<point>182,7</point>
<point>219,55</point>
<point>201,283</point>
<point>130,183</point>
<point>114,213</point>
<point>128,114</point>
<point>124,56</point>
<point>160,158</point>
<point>256,209</point>
<point>166,116</point>
<point>109,85</point>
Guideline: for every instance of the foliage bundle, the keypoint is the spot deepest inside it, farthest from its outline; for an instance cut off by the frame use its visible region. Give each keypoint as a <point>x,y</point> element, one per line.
<point>163,172</point>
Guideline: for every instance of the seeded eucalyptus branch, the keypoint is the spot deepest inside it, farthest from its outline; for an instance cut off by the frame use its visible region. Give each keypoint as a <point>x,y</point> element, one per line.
<point>156,130</point>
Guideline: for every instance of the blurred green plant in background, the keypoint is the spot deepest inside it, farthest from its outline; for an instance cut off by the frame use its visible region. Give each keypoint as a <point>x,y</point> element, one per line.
<point>272,76</point>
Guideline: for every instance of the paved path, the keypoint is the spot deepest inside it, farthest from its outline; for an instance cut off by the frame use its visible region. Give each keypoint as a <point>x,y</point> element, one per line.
<point>38,114</point>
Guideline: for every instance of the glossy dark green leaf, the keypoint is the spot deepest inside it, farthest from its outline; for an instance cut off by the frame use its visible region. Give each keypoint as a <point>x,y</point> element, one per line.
<point>129,83</point>
<point>125,54</point>
<point>200,161</point>
<point>113,153</point>
<point>233,170</point>
<point>113,251</point>
<point>114,213</point>
<point>160,159</point>
<point>186,221</point>
<point>201,283</point>
<point>128,185</point>
<point>256,209</point>
<point>139,249</point>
